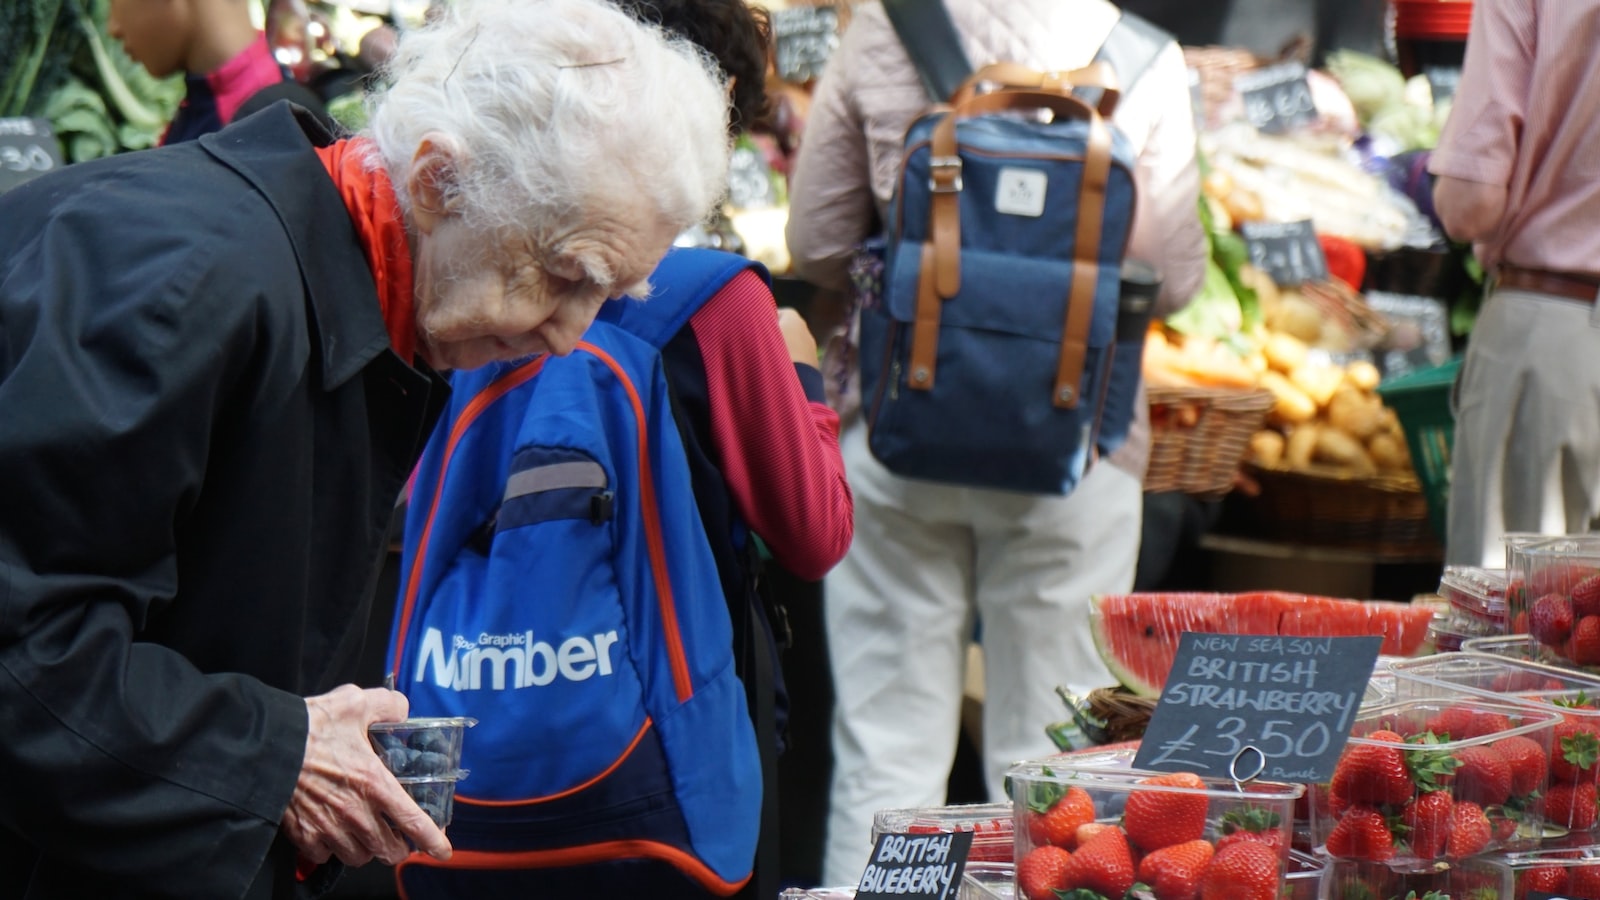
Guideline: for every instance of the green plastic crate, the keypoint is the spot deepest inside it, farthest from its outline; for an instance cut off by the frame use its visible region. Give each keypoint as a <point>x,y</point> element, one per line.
<point>1422,401</point>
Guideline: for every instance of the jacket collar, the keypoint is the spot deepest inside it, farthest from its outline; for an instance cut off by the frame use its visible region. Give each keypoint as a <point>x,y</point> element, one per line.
<point>272,151</point>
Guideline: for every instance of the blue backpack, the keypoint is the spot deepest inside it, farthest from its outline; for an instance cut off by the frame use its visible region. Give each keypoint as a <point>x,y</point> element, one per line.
<point>558,587</point>
<point>992,357</point>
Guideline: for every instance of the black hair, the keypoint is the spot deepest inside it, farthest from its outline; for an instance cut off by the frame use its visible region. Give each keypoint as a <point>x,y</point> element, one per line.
<point>735,33</point>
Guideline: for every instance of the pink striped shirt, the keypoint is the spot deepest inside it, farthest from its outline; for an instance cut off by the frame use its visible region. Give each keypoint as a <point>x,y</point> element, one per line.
<point>1527,118</point>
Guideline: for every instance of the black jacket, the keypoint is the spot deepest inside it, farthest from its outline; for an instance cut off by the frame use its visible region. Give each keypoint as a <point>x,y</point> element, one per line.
<point>203,431</point>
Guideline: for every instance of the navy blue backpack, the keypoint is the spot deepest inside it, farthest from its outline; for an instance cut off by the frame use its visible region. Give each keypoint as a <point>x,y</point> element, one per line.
<point>992,357</point>
<point>559,587</point>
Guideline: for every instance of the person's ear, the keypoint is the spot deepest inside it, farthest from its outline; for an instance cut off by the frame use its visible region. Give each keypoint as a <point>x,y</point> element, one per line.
<point>430,181</point>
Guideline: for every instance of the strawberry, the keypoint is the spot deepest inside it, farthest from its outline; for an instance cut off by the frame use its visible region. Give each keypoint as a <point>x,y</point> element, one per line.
<point>993,841</point>
<point>1374,773</point>
<point>1087,832</point>
<point>1529,764</point>
<point>1486,723</point>
<point>1104,865</point>
<point>1585,649</point>
<point>1470,831</point>
<point>1057,823</point>
<point>1428,817</point>
<point>1583,881</point>
<point>1361,834</point>
<point>1173,873</point>
<point>1484,776</point>
<point>1573,806</point>
<point>1251,824</point>
<point>1549,879</point>
<point>1161,818</point>
<point>1550,620</point>
<point>1243,871</point>
<point>1450,724</point>
<point>1586,597</point>
<point>1043,872</point>
<point>1575,751</point>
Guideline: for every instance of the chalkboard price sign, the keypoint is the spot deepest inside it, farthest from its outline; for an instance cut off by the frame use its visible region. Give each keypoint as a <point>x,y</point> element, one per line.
<point>28,149</point>
<point>1277,98</point>
<point>1287,251</point>
<point>1290,700</point>
<point>921,865</point>
<point>804,38</point>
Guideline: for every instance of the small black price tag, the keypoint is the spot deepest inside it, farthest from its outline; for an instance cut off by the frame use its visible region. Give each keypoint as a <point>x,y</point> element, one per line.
<point>1442,82</point>
<point>926,865</point>
<point>1291,699</point>
<point>803,38</point>
<point>1277,98</point>
<point>750,179</point>
<point>28,149</point>
<point>1286,251</point>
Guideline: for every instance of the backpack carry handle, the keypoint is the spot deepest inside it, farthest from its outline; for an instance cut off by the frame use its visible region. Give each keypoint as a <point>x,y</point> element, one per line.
<point>1096,76</point>
<point>940,276</point>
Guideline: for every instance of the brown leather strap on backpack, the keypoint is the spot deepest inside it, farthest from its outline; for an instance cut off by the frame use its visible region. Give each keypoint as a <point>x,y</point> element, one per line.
<point>1085,266</point>
<point>941,257</point>
<point>1011,76</point>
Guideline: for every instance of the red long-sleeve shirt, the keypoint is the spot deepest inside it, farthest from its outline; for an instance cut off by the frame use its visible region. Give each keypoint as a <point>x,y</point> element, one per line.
<point>776,440</point>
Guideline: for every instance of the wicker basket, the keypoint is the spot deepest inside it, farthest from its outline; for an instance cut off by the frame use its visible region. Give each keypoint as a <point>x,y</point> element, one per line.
<point>1382,514</point>
<point>1125,713</point>
<point>1199,435</point>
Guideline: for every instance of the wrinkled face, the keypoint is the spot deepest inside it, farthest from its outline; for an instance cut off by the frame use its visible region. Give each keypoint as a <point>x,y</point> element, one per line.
<point>477,302</point>
<point>156,33</point>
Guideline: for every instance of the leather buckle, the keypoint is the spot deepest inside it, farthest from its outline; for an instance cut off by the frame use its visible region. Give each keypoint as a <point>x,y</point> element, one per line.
<point>939,165</point>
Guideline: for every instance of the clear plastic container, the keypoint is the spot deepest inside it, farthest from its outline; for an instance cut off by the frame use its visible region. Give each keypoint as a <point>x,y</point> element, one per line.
<point>425,757</point>
<point>1478,877</point>
<point>988,881</point>
<point>1510,646</point>
<point>1560,599</point>
<point>990,823</point>
<point>1477,598</point>
<point>1461,780</point>
<point>1573,872</point>
<point>1146,817</point>
<point>1305,875</point>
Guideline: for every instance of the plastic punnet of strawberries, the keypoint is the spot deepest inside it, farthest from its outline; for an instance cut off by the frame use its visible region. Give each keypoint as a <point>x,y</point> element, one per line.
<point>1481,878</point>
<point>1438,780</point>
<point>1178,836</point>
<point>1558,602</point>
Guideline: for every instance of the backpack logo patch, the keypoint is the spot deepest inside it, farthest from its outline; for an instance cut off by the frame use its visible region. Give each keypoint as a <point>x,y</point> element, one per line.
<point>1020,192</point>
<point>515,661</point>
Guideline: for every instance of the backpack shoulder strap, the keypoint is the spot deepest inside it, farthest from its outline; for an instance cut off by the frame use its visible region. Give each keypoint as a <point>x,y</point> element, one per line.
<point>930,39</point>
<point>1132,48</point>
<point>682,283</point>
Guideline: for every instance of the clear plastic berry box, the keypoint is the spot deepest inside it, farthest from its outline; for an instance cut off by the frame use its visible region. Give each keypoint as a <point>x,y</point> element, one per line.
<point>1304,876</point>
<point>1565,872</point>
<point>1509,646</point>
<point>1186,832</point>
<point>425,757</point>
<point>1570,799</point>
<point>990,823</point>
<point>1425,781</point>
<point>1477,599</point>
<point>1560,599</point>
<point>1485,877</point>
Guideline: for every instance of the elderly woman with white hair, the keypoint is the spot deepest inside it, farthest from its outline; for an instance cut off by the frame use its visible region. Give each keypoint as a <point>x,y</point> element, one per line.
<point>217,366</point>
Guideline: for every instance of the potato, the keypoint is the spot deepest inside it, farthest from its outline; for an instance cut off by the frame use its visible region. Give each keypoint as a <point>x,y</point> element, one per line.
<point>1290,404</point>
<point>1284,352</point>
<point>1296,315</point>
<point>1243,206</point>
<point>1218,183</point>
<point>1318,381</point>
<point>1389,453</point>
<point>1336,447</point>
<point>1266,448</point>
<point>1356,413</point>
<point>1362,375</point>
<point>1266,289</point>
<point>1301,446</point>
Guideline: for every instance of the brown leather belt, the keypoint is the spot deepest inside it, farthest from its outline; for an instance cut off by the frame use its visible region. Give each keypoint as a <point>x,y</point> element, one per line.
<point>1568,285</point>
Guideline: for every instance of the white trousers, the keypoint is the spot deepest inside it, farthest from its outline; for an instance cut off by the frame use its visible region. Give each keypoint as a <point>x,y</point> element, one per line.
<point>900,609</point>
<point>1526,455</point>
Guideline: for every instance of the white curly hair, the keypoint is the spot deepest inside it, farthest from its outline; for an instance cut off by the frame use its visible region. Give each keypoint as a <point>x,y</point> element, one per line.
<point>557,111</point>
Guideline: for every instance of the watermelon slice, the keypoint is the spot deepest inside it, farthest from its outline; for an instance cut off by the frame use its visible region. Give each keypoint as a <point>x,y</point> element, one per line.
<point>1137,634</point>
